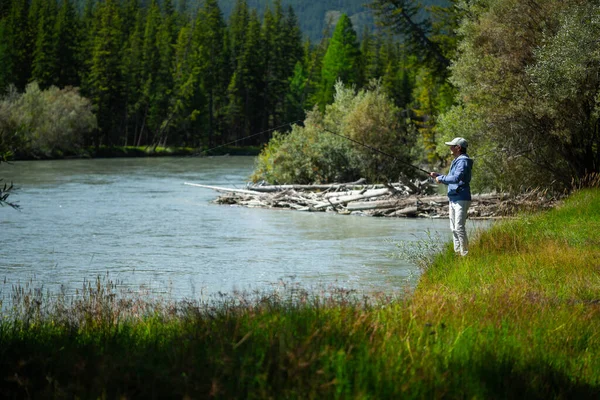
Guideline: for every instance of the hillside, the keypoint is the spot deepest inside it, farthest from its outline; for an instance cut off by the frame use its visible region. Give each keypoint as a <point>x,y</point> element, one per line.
<point>314,16</point>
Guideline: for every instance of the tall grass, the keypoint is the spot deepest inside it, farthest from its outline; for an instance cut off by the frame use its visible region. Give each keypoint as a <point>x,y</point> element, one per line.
<point>518,318</point>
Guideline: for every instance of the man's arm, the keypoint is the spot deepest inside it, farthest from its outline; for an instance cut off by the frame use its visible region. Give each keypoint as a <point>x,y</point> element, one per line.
<point>458,173</point>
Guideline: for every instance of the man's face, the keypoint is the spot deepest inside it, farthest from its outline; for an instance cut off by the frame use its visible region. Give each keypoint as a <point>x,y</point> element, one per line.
<point>455,150</point>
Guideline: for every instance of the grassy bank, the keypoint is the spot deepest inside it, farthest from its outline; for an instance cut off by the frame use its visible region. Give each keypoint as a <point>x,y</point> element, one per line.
<point>140,151</point>
<point>518,318</point>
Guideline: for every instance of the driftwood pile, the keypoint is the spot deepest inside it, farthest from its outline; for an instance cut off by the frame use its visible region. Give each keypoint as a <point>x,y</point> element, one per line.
<point>412,199</point>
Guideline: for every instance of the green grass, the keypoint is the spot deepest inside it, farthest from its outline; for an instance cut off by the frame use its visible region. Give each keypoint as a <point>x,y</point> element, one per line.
<point>518,318</point>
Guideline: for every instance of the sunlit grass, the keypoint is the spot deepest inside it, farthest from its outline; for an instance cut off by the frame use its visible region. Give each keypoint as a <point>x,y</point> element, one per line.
<point>519,317</point>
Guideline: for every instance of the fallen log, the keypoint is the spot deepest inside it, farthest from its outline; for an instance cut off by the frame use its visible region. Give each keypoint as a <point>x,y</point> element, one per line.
<point>225,190</point>
<point>346,199</point>
<point>439,200</point>
<point>405,212</point>
<point>397,202</point>
<point>278,188</point>
<point>355,192</point>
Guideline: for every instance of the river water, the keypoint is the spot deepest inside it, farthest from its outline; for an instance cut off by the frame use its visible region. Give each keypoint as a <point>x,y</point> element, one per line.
<point>134,220</point>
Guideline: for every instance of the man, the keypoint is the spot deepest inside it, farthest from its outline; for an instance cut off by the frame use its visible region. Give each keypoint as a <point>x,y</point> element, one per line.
<point>459,192</point>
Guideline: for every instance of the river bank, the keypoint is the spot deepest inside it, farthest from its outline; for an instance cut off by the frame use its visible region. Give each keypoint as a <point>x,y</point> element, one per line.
<point>518,318</point>
<point>138,151</point>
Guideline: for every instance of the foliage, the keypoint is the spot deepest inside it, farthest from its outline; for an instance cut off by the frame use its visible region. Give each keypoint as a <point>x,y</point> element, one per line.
<point>420,252</point>
<point>432,96</point>
<point>6,190</point>
<point>342,61</point>
<point>517,318</point>
<point>307,154</point>
<point>526,74</point>
<point>464,121</point>
<point>425,36</point>
<point>317,152</point>
<point>46,122</point>
<point>9,141</point>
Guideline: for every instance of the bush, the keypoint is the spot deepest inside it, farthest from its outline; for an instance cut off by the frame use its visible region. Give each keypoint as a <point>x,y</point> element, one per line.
<point>319,153</point>
<point>46,122</point>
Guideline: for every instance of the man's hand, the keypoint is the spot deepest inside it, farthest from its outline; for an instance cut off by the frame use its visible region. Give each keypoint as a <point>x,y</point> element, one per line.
<point>435,176</point>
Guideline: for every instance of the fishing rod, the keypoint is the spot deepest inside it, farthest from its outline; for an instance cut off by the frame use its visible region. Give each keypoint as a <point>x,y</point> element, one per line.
<point>326,130</point>
<point>376,150</point>
<point>249,136</point>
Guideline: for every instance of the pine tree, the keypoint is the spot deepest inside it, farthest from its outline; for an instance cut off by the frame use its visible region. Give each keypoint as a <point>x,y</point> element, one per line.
<point>295,96</point>
<point>44,67</point>
<point>342,60</point>
<point>270,53</point>
<point>185,86</point>
<point>162,114</point>
<point>88,23</point>
<point>294,68</point>
<point>373,65</point>
<point>15,65</point>
<point>132,71</point>
<point>238,26</point>
<point>281,50</point>
<point>244,88</point>
<point>150,63</point>
<point>399,76</point>
<point>212,57</point>
<point>5,61</point>
<point>405,17</point>
<point>238,85</point>
<point>65,43</point>
<point>4,9</point>
<point>313,58</point>
<point>105,79</point>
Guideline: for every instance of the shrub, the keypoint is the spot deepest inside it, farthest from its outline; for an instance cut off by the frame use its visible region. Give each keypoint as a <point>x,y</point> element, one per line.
<point>46,122</point>
<point>318,152</point>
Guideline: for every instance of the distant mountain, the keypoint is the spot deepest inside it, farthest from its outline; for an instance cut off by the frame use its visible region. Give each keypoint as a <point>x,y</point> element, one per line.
<point>314,16</point>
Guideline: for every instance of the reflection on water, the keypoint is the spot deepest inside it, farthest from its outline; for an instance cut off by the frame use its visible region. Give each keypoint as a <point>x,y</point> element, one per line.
<point>136,220</point>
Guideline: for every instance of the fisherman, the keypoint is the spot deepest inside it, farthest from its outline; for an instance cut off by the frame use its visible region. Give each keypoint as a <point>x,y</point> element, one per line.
<point>459,192</point>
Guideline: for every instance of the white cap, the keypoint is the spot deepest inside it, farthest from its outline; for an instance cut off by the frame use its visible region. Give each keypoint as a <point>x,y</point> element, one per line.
<point>458,142</point>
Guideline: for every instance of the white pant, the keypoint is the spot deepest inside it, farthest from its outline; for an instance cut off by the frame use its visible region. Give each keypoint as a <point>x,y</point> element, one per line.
<point>458,217</point>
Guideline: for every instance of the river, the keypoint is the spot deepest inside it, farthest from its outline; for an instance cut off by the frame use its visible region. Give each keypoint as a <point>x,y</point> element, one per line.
<point>134,220</point>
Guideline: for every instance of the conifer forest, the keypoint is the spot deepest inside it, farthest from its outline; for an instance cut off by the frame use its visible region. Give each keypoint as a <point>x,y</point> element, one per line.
<point>160,73</point>
<point>517,79</point>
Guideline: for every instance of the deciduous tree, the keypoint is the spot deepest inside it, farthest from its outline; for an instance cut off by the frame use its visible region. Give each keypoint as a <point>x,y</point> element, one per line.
<point>529,89</point>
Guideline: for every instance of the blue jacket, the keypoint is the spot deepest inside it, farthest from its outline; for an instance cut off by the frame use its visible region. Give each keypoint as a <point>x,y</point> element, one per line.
<point>459,178</point>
